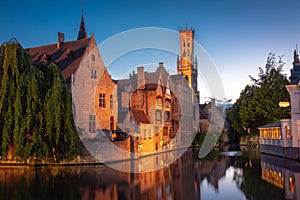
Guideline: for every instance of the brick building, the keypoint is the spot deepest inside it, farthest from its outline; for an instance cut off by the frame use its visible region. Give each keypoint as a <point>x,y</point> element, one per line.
<point>81,65</point>
<point>187,64</point>
<point>157,109</point>
<point>145,105</point>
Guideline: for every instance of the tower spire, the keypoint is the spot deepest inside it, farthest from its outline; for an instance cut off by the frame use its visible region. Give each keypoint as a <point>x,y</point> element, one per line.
<point>82,9</point>
<point>82,34</point>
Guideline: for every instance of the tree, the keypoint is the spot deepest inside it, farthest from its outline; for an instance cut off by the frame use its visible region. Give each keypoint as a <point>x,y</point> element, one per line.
<point>234,112</point>
<point>258,103</point>
<point>35,108</point>
<point>60,128</point>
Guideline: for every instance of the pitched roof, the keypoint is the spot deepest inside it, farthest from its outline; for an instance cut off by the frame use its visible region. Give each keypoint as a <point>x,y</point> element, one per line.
<point>140,116</point>
<point>67,57</point>
<point>272,125</point>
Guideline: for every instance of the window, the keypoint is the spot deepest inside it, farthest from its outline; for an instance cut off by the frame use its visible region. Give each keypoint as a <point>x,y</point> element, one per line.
<point>112,123</point>
<point>93,57</point>
<point>288,132</point>
<point>168,103</point>
<point>159,101</point>
<point>92,124</point>
<point>111,101</point>
<point>93,74</point>
<point>102,100</point>
<point>158,116</point>
<point>167,116</point>
<point>188,44</point>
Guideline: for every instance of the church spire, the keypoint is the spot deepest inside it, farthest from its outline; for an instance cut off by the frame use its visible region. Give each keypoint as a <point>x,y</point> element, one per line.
<point>82,34</point>
<point>296,55</point>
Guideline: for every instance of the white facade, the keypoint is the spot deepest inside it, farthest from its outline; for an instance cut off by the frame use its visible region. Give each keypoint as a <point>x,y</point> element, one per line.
<point>294,91</point>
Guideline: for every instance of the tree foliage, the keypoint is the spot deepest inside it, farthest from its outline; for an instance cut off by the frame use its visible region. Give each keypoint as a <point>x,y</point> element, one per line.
<point>258,103</point>
<point>35,108</point>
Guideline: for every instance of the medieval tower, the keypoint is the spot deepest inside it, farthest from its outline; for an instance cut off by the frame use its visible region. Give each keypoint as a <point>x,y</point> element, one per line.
<point>187,64</point>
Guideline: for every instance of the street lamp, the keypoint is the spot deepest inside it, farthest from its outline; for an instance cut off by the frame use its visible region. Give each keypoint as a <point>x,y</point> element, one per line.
<point>284,104</point>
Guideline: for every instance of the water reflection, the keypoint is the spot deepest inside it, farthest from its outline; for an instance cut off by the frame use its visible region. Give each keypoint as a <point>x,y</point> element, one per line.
<point>214,177</point>
<point>283,173</point>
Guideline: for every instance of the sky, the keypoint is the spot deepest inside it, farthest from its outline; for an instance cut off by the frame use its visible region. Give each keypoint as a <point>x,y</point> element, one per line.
<point>237,35</point>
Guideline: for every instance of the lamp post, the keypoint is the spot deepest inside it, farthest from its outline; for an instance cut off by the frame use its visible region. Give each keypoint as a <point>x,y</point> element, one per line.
<point>284,104</point>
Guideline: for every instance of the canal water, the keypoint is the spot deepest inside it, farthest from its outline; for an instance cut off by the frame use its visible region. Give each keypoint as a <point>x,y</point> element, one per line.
<point>248,176</point>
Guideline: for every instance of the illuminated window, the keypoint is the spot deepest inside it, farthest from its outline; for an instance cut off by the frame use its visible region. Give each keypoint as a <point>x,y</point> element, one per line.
<point>270,133</point>
<point>265,133</point>
<point>159,101</point>
<point>288,132</point>
<point>102,100</point>
<point>292,184</point>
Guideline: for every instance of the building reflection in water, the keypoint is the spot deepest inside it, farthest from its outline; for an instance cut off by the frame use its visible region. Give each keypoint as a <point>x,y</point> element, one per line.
<point>283,173</point>
<point>179,180</point>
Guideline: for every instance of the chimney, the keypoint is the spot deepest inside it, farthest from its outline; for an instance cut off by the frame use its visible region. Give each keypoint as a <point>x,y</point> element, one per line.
<point>213,102</point>
<point>60,39</point>
<point>140,78</point>
<point>160,64</point>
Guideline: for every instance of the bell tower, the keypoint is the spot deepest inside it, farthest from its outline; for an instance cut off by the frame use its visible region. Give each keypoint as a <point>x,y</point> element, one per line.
<point>187,64</point>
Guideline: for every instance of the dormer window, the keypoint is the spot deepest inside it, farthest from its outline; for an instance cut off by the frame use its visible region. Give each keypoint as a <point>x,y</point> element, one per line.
<point>69,55</point>
<point>45,57</point>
